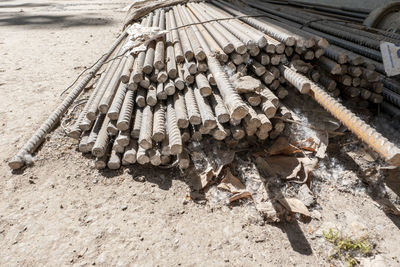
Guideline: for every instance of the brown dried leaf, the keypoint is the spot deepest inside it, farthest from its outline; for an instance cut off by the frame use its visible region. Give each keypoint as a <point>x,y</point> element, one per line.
<point>282,146</point>
<point>259,154</point>
<point>308,148</point>
<point>206,176</point>
<point>294,205</point>
<point>323,144</point>
<point>308,166</point>
<point>368,155</point>
<point>239,196</point>
<point>282,166</point>
<point>231,183</point>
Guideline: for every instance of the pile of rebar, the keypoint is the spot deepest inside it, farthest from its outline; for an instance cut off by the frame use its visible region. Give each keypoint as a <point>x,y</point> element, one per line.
<point>146,106</point>
<point>220,72</point>
<point>193,82</point>
<point>353,52</point>
<point>338,12</point>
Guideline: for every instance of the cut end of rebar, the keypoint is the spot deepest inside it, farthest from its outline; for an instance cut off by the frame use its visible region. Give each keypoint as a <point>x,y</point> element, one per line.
<point>123,126</point>
<point>98,152</point>
<point>124,78</point>
<point>280,48</point>
<point>172,73</point>
<point>16,163</point>
<point>176,149</point>
<point>91,115</point>
<point>180,58</point>
<point>188,55</point>
<point>223,57</point>
<point>74,133</point>
<point>201,55</point>
<point>103,108</point>
<point>159,65</point>
<point>240,112</point>
<point>337,69</point>
<point>183,123</point>
<point>210,124</point>
<point>158,137</point>
<point>195,120</point>
<point>309,43</point>
<point>323,43</point>
<point>223,118</point>
<point>305,89</point>
<point>229,48</point>
<point>143,159</point>
<point>137,78</point>
<point>262,42</point>
<point>290,41</point>
<point>241,49</point>
<point>205,91</point>
<point>146,144</point>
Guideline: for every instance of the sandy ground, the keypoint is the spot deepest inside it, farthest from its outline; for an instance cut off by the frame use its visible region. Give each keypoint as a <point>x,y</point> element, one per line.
<point>63,211</point>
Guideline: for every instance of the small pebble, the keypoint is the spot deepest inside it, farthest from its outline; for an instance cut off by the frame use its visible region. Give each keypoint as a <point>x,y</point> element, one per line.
<point>124,207</point>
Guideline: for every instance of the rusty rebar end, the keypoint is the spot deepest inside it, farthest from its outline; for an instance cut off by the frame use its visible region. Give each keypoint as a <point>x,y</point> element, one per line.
<point>16,163</point>
<point>75,134</point>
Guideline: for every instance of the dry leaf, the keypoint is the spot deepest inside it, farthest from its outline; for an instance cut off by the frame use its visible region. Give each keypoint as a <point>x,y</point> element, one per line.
<point>369,155</point>
<point>239,196</point>
<point>231,183</point>
<point>308,148</point>
<point>289,168</point>
<point>308,166</point>
<point>259,154</point>
<point>323,144</point>
<point>206,176</point>
<point>282,166</point>
<point>308,144</point>
<point>282,146</point>
<point>294,205</point>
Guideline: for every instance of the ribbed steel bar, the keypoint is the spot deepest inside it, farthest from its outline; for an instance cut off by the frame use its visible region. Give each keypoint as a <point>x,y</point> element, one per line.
<point>281,34</point>
<point>225,39</point>
<point>368,52</point>
<point>233,25</point>
<point>19,160</point>
<point>235,105</point>
<point>304,18</point>
<point>389,151</point>
<point>257,37</point>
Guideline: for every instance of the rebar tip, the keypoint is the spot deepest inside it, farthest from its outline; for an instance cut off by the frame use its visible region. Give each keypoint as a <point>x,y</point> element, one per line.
<point>16,163</point>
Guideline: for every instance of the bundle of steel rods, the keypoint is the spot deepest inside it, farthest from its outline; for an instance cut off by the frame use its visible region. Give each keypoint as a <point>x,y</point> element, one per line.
<point>187,85</point>
<point>217,73</point>
<point>220,72</point>
<point>344,13</point>
<point>352,64</point>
